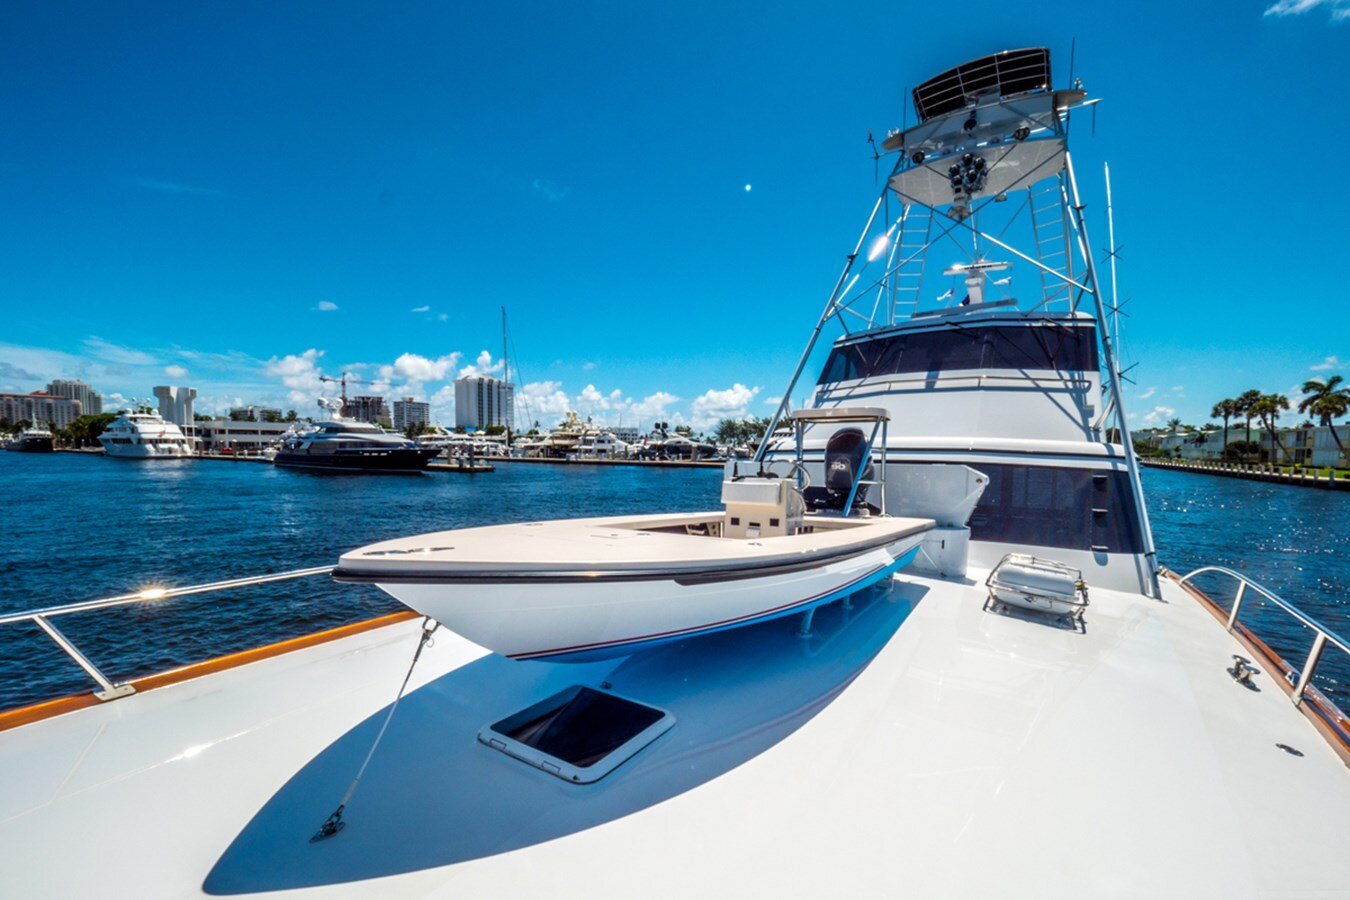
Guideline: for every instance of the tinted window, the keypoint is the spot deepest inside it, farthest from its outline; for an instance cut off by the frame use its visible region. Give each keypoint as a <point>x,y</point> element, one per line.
<point>1057,347</point>
<point>1045,506</point>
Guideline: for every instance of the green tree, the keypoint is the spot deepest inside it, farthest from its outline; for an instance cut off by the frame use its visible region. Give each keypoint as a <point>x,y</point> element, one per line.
<point>84,431</point>
<point>1225,409</point>
<point>1244,403</point>
<point>290,415</point>
<point>1240,450</point>
<point>1326,400</point>
<point>1267,409</point>
<point>1173,424</point>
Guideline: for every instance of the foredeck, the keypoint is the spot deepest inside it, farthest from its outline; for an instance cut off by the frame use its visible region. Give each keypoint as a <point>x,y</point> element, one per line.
<point>916,745</point>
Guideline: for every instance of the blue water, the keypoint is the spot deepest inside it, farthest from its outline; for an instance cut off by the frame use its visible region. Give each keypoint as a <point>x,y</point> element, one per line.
<point>76,527</point>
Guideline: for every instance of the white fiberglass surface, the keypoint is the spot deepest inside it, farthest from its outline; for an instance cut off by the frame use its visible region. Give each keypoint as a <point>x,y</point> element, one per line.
<point>910,738</point>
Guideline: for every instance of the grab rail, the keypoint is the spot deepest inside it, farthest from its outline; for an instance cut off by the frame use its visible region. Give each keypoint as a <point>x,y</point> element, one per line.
<point>110,690</point>
<point>1322,634</point>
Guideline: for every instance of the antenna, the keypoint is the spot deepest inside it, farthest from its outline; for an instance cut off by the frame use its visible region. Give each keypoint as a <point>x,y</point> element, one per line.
<point>1111,241</point>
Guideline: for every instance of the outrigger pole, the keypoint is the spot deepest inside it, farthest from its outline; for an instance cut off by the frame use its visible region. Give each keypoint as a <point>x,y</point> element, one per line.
<point>786,402</point>
<point>1113,370</point>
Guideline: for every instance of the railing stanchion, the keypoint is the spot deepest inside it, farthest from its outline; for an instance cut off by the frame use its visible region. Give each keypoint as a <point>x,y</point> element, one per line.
<point>110,691</point>
<point>1308,666</point>
<point>1237,602</point>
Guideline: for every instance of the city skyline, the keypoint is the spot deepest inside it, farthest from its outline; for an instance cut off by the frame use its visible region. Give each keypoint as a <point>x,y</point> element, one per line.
<point>366,202</point>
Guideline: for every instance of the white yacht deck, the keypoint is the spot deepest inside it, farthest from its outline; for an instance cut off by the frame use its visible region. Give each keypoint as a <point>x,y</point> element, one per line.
<point>916,745</point>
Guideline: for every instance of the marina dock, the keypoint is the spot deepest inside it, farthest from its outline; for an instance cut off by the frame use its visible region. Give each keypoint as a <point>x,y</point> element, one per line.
<point>648,463</point>
<point>1256,472</point>
<point>464,466</point>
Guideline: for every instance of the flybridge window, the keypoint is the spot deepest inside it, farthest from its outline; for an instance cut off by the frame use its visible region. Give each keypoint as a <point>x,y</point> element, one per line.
<point>1017,347</point>
<point>1048,506</point>
<point>579,735</point>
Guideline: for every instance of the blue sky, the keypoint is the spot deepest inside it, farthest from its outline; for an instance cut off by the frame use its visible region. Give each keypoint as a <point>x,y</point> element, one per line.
<point>240,196</point>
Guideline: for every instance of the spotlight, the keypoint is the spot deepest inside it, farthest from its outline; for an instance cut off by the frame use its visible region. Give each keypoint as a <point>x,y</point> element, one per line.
<point>917,157</point>
<point>967,159</point>
<point>1021,134</point>
<point>970,124</point>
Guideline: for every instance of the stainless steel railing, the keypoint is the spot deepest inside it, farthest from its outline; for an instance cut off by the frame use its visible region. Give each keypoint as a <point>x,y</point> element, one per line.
<point>1321,634</point>
<point>108,689</point>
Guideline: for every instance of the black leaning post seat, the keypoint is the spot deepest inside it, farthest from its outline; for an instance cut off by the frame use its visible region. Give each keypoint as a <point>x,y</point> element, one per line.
<point>843,459</point>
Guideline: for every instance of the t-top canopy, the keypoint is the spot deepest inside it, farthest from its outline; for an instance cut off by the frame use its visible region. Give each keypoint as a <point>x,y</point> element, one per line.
<point>1008,73</point>
<point>842,414</point>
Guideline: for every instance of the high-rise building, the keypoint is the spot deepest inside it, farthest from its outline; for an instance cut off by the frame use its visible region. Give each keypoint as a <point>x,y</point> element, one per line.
<point>367,409</point>
<point>481,400</point>
<point>39,408</point>
<point>408,412</point>
<point>88,398</point>
<point>175,404</point>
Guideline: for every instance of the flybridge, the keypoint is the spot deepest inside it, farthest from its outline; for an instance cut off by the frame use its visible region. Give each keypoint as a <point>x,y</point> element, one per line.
<point>972,311</point>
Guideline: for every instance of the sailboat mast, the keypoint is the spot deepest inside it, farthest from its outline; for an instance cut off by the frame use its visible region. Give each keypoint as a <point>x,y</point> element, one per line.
<point>506,360</point>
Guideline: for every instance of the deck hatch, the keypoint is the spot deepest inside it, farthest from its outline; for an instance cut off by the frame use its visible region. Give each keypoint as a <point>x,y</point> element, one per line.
<point>579,734</point>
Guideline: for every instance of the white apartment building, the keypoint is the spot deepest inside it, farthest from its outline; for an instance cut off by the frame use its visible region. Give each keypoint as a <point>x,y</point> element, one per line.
<point>73,389</point>
<point>39,408</point>
<point>408,412</point>
<point>481,401</point>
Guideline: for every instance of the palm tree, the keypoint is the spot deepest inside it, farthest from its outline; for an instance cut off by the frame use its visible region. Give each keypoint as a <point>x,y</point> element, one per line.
<point>1173,425</point>
<point>1244,408</point>
<point>1267,408</point>
<point>1326,400</point>
<point>1225,409</point>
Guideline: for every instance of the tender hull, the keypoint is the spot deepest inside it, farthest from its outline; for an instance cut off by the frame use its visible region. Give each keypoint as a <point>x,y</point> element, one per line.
<point>393,461</point>
<point>558,622</point>
<point>582,589</point>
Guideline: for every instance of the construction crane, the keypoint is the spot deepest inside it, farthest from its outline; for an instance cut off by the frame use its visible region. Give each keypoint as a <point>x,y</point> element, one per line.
<point>342,380</point>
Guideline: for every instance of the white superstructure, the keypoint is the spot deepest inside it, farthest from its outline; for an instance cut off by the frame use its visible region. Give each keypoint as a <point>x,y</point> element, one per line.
<point>972,313</point>
<point>144,435</point>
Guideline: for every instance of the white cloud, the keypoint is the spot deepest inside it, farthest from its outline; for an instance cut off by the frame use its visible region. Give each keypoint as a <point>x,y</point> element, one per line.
<point>1148,393</point>
<point>116,353</point>
<point>174,187</point>
<point>326,306</point>
<point>483,365</point>
<point>549,191</point>
<point>417,370</point>
<point>175,371</point>
<point>1338,9</point>
<point>655,406</point>
<point>1326,365</point>
<point>421,309</point>
<point>1159,415</point>
<point>543,400</point>
<point>443,317</point>
<point>714,405</point>
<point>443,405</point>
<point>300,373</point>
<point>587,366</point>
